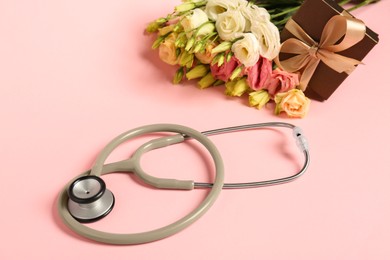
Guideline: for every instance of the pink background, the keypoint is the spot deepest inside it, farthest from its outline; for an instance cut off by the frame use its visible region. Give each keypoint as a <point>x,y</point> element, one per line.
<point>75,74</point>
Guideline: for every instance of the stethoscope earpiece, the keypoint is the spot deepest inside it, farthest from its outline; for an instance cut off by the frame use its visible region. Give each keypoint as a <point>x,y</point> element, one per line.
<point>89,200</point>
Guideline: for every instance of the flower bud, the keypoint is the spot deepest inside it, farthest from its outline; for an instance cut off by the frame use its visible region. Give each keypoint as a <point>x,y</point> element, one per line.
<point>178,76</point>
<point>219,83</point>
<point>206,81</point>
<point>236,88</point>
<point>177,28</point>
<point>189,5</point>
<point>177,52</point>
<point>215,59</point>
<point>181,40</point>
<point>155,25</point>
<point>236,72</point>
<point>199,47</point>
<point>184,7</point>
<point>161,20</point>
<point>165,30</point>
<point>157,42</point>
<point>197,72</point>
<point>186,59</point>
<point>221,60</point>
<point>229,55</point>
<point>205,29</point>
<point>222,47</point>
<point>190,44</point>
<point>152,27</point>
<point>258,98</point>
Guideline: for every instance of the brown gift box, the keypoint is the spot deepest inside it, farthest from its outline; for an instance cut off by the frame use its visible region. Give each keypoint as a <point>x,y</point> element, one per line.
<point>312,17</point>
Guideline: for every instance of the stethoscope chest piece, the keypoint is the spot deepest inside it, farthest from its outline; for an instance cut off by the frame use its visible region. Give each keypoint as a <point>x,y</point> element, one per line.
<point>89,200</point>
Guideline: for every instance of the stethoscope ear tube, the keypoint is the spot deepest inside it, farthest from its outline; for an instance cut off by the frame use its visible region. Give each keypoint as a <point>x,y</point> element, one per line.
<point>301,142</point>
<point>157,234</point>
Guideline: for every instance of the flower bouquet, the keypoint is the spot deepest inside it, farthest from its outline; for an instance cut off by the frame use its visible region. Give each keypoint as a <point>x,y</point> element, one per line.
<point>233,43</point>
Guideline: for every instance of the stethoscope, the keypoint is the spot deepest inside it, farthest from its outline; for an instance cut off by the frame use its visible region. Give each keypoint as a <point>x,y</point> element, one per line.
<point>86,199</point>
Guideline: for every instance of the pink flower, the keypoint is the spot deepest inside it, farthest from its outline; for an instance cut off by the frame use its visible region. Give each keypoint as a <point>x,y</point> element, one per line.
<point>281,81</point>
<point>259,73</point>
<point>225,70</point>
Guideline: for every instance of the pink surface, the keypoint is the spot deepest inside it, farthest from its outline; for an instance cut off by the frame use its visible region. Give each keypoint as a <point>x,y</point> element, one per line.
<point>74,74</point>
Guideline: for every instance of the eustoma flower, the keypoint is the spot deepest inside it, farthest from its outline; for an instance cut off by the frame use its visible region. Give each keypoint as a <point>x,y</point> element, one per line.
<point>281,81</point>
<point>268,36</point>
<point>167,50</point>
<point>216,7</point>
<point>231,43</point>
<point>293,102</point>
<point>194,20</point>
<point>230,25</point>
<point>206,56</point>
<point>224,71</point>
<point>253,13</point>
<point>247,50</point>
<point>259,74</point>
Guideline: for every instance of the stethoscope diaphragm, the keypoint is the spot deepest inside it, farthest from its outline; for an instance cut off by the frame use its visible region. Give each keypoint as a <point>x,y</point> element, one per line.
<point>89,200</point>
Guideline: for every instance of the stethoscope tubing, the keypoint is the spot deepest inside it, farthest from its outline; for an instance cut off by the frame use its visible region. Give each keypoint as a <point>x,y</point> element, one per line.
<point>159,233</point>
<point>133,165</point>
<point>256,184</point>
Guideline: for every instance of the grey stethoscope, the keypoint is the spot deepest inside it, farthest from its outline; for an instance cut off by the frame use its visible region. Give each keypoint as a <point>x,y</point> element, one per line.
<point>85,198</point>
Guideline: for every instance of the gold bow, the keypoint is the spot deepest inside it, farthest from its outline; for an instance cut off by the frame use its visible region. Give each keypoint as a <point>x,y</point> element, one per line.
<point>340,33</point>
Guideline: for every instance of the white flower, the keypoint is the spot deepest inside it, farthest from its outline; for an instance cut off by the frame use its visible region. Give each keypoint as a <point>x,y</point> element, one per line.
<point>194,20</point>
<point>247,50</point>
<point>269,39</point>
<point>230,25</point>
<point>253,13</point>
<point>216,7</point>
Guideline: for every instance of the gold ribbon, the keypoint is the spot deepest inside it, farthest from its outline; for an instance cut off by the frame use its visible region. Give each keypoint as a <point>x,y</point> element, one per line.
<point>340,33</point>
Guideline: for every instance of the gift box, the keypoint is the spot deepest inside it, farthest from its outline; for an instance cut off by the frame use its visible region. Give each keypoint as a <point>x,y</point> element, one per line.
<point>324,43</point>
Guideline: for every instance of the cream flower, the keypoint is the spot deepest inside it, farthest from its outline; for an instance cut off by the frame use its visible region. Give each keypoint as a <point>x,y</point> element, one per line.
<point>230,25</point>
<point>269,39</point>
<point>293,102</point>
<point>194,20</point>
<point>247,50</point>
<point>167,50</point>
<point>216,7</point>
<point>253,13</point>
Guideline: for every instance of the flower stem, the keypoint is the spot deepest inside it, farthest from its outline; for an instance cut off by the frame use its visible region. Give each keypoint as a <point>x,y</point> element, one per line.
<point>287,11</point>
<point>363,3</point>
<point>344,2</point>
<point>282,10</point>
